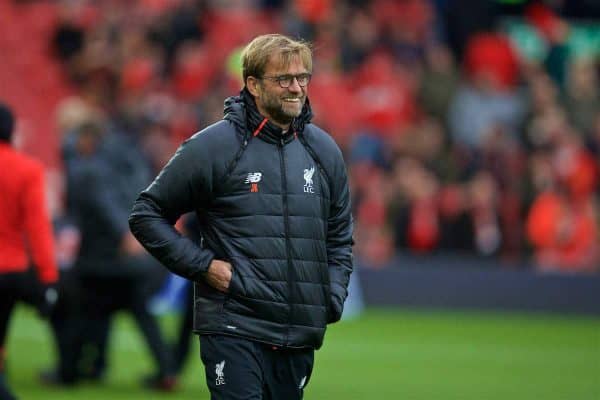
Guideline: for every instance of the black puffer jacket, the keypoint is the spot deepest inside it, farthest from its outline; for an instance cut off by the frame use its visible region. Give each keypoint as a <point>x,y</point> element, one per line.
<point>276,206</point>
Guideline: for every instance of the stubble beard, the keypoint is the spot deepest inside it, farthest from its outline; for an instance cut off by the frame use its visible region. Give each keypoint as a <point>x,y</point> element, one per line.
<point>284,113</point>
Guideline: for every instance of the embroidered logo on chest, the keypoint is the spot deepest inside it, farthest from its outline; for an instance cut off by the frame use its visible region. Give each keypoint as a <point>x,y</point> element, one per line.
<point>308,181</point>
<point>253,178</point>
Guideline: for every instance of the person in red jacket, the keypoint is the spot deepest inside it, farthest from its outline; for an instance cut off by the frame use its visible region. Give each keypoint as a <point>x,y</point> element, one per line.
<point>25,235</point>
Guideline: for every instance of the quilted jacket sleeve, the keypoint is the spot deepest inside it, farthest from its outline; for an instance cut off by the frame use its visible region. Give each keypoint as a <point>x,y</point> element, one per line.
<point>184,184</point>
<point>339,238</point>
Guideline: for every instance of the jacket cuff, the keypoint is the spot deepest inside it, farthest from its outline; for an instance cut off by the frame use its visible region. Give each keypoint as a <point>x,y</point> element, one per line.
<point>198,274</point>
<point>334,314</point>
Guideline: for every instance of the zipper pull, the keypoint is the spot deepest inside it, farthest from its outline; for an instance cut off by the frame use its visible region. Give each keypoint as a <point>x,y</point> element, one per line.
<point>281,142</point>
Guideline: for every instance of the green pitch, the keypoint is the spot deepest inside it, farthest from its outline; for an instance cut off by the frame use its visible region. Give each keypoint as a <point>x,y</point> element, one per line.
<point>400,354</point>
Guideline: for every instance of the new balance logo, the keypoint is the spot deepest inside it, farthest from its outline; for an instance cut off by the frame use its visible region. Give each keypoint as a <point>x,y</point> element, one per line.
<point>220,374</point>
<point>308,181</point>
<point>253,178</point>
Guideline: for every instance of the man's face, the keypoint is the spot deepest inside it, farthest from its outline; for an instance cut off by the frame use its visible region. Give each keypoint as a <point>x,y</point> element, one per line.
<point>281,105</point>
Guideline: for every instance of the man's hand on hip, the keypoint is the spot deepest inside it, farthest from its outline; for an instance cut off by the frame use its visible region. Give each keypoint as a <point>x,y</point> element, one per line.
<point>219,275</point>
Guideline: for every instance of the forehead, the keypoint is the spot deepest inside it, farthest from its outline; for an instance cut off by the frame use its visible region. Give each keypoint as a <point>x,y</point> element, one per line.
<point>277,65</point>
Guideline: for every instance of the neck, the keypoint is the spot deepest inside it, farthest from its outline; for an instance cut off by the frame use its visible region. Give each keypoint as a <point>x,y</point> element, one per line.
<point>284,126</point>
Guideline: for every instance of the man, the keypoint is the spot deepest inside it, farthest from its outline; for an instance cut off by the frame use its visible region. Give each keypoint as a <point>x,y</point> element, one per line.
<point>271,193</point>
<point>112,269</point>
<point>25,232</point>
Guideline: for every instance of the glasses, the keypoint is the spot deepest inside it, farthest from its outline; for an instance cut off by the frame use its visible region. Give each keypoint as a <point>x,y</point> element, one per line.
<point>286,80</point>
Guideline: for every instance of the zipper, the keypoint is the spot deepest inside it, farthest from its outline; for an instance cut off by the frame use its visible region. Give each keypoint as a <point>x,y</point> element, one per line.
<point>288,250</point>
<point>322,183</point>
<point>325,212</point>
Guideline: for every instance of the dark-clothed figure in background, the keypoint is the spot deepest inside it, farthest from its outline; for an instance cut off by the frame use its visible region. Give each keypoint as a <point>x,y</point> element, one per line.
<point>113,271</point>
<point>182,345</point>
<point>25,236</point>
<point>184,335</point>
<point>81,354</point>
<point>271,193</point>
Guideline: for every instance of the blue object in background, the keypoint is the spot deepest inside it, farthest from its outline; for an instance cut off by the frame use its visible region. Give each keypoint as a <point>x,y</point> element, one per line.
<point>170,297</point>
<point>354,304</point>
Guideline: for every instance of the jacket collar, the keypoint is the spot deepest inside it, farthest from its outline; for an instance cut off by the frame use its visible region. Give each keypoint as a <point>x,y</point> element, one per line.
<point>242,111</point>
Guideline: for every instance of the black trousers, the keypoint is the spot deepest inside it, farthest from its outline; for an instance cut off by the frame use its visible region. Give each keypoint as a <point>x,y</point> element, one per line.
<point>14,287</point>
<point>240,369</point>
<point>104,296</point>
<point>184,334</point>
<point>81,351</point>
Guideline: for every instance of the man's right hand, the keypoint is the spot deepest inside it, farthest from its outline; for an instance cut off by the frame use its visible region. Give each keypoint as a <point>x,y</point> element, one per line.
<point>219,275</point>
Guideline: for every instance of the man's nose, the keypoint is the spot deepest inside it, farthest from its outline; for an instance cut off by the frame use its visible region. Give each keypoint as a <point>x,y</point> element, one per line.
<point>295,86</point>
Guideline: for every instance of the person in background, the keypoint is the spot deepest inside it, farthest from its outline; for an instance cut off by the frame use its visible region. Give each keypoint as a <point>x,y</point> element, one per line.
<point>270,190</point>
<point>182,345</point>
<point>112,270</point>
<point>25,237</point>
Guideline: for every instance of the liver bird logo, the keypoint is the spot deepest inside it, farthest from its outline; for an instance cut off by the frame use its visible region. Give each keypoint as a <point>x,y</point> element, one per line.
<point>308,174</point>
<point>219,369</point>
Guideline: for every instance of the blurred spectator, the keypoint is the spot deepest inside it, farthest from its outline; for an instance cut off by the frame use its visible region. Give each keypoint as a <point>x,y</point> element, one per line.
<point>562,221</point>
<point>407,28</point>
<point>457,230</point>
<point>439,81</point>
<point>582,99</point>
<point>68,39</point>
<point>463,19</point>
<point>428,142</point>
<point>490,98</point>
<point>384,96</point>
<point>564,233</point>
<point>555,31</point>
<point>484,209</point>
<point>368,161</point>
<point>358,39</point>
<point>413,207</point>
<point>113,271</point>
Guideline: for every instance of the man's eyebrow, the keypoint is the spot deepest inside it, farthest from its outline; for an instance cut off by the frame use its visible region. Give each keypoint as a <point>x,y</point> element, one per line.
<point>288,75</point>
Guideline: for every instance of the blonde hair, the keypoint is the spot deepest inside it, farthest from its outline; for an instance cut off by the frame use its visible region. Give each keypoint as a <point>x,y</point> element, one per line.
<point>257,53</point>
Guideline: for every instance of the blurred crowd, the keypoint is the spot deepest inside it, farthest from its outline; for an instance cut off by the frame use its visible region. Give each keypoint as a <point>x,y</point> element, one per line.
<point>455,140</point>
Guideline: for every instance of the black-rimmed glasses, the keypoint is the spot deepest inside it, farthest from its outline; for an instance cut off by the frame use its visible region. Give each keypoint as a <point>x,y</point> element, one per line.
<point>286,80</point>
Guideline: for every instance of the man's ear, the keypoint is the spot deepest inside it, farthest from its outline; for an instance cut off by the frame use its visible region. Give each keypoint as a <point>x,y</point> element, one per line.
<point>253,86</point>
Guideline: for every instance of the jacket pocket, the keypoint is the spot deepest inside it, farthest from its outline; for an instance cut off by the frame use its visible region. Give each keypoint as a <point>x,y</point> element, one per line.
<point>233,282</point>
